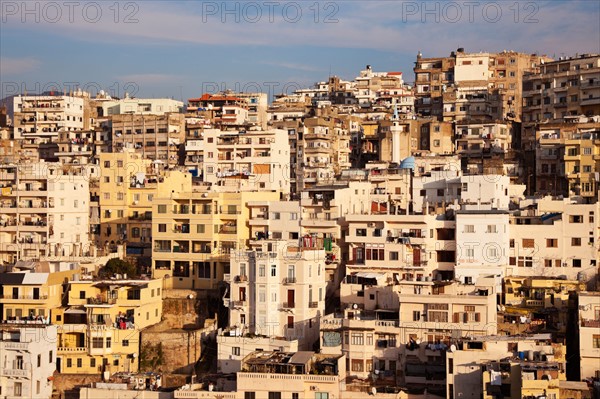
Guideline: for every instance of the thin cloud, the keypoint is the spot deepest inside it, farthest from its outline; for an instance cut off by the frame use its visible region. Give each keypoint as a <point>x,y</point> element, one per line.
<point>292,65</point>
<point>149,78</point>
<point>14,66</point>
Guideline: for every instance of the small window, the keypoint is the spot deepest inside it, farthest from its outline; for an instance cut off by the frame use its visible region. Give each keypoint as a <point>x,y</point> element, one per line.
<point>235,351</point>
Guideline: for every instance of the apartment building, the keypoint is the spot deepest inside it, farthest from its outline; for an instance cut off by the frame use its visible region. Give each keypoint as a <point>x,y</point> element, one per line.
<point>566,159</point>
<point>569,86</point>
<point>79,148</point>
<point>156,137</point>
<point>194,232</point>
<point>99,329</point>
<point>482,240</point>
<point>278,291</point>
<point>432,76</point>
<point>486,352</point>
<point>44,212</point>
<point>128,184</point>
<point>589,335</point>
<point>107,106</point>
<point>477,139</point>
<point>32,295</point>
<point>246,160</point>
<point>39,119</point>
<point>233,108</point>
<point>538,375</point>
<point>28,359</point>
<point>413,248</point>
<point>397,335</point>
<point>554,238</point>
<point>323,150</point>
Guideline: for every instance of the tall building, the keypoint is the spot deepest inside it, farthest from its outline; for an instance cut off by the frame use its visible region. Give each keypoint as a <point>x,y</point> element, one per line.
<point>278,291</point>
<point>193,234</point>
<point>246,160</point>
<point>28,359</point>
<point>44,212</point>
<point>157,137</point>
<point>128,184</point>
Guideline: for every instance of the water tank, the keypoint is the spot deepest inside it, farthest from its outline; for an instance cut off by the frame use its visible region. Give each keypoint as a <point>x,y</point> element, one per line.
<point>521,355</point>
<point>530,355</point>
<point>581,276</point>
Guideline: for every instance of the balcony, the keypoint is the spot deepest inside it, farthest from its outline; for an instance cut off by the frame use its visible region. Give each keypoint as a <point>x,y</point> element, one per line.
<point>241,279</point>
<point>287,305</point>
<point>25,297</point>
<point>313,305</point>
<point>590,323</point>
<point>237,304</point>
<point>289,280</point>
<point>73,349</point>
<point>15,372</point>
<point>100,301</point>
<point>9,345</point>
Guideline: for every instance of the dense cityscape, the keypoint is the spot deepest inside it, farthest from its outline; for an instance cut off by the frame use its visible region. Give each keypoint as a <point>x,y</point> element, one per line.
<point>356,238</point>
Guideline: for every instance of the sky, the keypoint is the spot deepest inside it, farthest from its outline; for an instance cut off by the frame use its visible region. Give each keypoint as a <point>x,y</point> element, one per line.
<point>181,49</point>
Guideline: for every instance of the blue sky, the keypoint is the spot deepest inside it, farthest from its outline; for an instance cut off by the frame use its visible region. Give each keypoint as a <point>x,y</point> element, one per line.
<point>183,48</point>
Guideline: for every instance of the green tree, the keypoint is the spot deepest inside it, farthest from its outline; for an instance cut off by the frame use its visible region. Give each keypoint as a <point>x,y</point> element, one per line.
<point>118,266</point>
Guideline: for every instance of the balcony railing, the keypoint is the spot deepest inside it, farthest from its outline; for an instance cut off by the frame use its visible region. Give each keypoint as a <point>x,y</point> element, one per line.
<point>313,305</point>
<point>101,301</point>
<point>289,280</point>
<point>288,305</point>
<point>25,297</point>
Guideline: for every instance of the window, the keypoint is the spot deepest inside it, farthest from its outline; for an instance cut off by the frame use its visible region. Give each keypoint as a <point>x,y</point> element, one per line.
<point>357,339</point>
<point>274,395</point>
<point>295,395</point>
<point>551,243</point>
<point>576,219</point>
<point>201,228</point>
<point>79,362</point>
<point>39,360</point>
<point>357,365</point>
<point>576,262</point>
<point>361,232</point>
<point>97,342</point>
<point>162,209</point>
<point>69,362</point>
<point>249,395</point>
<point>469,228</point>
<point>416,315</point>
<point>18,388</point>
<point>162,228</point>
<point>394,255</point>
<point>575,241</point>
<point>261,270</point>
<point>92,362</point>
<point>273,270</point>
<point>235,351</point>
<point>370,339</point>
<point>125,342</point>
<point>108,342</point>
<point>50,357</point>
<point>528,243</point>
<point>596,341</point>
<point>491,228</point>
<point>321,395</point>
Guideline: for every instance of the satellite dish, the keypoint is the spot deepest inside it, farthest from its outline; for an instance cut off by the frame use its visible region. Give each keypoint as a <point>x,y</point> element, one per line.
<point>355,306</point>
<point>452,348</point>
<point>373,391</point>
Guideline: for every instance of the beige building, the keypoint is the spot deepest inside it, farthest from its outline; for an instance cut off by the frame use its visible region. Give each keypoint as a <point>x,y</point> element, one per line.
<point>194,232</point>
<point>278,291</point>
<point>28,351</point>
<point>128,185</point>
<point>99,329</point>
<point>156,137</point>
<point>589,334</point>
<point>246,160</point>
<point>44,212</point>
<point>554,238</point>
<point>567,159</point>
<point>561,89</point>
<point>464,362</point>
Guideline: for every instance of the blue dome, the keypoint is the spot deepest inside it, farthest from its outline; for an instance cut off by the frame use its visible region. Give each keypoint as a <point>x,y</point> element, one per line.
<point>408,163</point>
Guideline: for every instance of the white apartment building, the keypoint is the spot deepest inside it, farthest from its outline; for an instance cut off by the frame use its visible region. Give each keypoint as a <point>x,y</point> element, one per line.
<point>27,360</point>
<point>44,213</point>
<point>143,106</point>
<point>589,334</point>
<point>42,117</point>
<point>278,291</point>
<point>554,238</point>
<point>247,160</point>
<point>482,241</point>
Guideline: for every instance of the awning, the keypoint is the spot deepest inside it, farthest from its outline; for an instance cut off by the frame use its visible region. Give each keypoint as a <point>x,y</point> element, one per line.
<point>75,311</point>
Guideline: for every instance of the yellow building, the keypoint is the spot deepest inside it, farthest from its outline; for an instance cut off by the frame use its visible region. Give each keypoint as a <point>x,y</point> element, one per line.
<point>128,184</point>
<point>25,295</point>
<point>100,328</point>
<point>193,234</point>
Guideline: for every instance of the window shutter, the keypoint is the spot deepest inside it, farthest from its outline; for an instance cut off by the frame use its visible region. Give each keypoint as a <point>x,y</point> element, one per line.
<point>455,318</point>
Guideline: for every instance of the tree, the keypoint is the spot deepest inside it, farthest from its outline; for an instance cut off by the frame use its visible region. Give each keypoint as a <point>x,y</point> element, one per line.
<point>118,266</point>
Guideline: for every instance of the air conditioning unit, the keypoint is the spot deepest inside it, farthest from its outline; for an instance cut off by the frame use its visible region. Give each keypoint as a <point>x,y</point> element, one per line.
<point>119,184</point>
